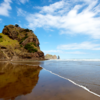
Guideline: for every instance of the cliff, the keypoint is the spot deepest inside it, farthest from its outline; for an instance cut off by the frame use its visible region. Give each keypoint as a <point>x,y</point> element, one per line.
<point>48,56</point>
<point>17,43</point>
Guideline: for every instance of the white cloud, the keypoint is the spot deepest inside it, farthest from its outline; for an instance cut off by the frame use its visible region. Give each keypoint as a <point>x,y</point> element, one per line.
<point>0,20</point>
<point>21,12</point>
<point>45,42</point>
<point>83,45</point>
<point>76,52</point>
<point>50,0</point>
<point>63,52</point>
<point>53,51</point>
<point>5,7</point>
<point>52,7</point>
<point>24,1</point>
<point>69,16</point>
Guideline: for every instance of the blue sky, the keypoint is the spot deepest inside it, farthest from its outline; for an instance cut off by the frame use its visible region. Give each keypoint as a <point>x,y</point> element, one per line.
<point>69,28</point>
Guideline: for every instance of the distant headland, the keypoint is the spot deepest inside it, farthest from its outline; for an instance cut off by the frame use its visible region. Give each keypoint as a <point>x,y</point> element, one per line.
<point>49,56</point>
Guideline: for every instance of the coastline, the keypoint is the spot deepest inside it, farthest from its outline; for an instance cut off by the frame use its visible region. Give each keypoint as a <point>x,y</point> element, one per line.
<point>52,87</point>
<point>57,76</point>
<point>85,73</point>
<point>85,88</point>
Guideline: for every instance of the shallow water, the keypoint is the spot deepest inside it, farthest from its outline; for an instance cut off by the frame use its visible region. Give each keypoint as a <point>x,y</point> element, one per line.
<point>86,73</point>
<point>19,81</point>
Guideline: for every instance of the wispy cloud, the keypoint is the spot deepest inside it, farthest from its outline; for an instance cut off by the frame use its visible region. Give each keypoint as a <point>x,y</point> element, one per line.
<point>45,42</point>
<point>78,46</point>
<point>24,1</point>
<point>69,16</point>
<point>53,51</point>
<point>63,52</point>
<point>50,0</point>
<point>52,8</point>
<point>21,12</point>
<point>0,20</point>
<point>5,7</point>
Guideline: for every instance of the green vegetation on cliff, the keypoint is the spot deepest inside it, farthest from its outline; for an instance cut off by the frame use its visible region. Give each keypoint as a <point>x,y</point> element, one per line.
<point>30,48</point>
<point>6,41</point>
<point>23,38</point>
<point>19,43</point>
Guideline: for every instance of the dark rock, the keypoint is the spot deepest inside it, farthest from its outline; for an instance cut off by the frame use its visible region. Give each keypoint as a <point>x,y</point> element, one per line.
<point>58,57</point>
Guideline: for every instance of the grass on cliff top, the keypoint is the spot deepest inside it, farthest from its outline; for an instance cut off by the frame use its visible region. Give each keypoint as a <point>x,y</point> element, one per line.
<point>6,41</point>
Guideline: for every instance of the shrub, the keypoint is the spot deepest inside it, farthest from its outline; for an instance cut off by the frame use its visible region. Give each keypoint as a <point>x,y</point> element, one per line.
<point>31,30</point>
<point>33,43</point>
<point>21,40</point>
<point>16,25</point>
<point>0,36</point>
<point>5,25</point>
<point>21,45</point>
<point>30,48</point>
<point>27,30</point>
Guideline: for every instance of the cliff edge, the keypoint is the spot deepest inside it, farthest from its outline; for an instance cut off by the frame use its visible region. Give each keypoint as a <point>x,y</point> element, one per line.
<point>17,43</point>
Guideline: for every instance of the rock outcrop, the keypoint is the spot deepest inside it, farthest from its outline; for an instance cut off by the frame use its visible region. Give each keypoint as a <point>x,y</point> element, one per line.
<point>17,43</point>
<point>58,57</point>
<point>48,56</point>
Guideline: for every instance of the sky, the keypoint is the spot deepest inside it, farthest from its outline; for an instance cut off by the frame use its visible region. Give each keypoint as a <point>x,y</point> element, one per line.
<point>68,28</point>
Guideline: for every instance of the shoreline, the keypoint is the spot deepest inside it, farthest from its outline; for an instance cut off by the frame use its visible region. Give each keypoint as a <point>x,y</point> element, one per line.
<point>74,59</point>
<point>83,87</point>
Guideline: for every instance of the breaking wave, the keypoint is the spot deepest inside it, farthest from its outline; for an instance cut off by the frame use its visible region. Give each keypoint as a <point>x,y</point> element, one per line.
<point>74,60</point>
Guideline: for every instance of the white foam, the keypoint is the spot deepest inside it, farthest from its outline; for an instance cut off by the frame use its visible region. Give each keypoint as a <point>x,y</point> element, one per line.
<point>74,60</point>
<point>75,83</point>
<point>71,82</point>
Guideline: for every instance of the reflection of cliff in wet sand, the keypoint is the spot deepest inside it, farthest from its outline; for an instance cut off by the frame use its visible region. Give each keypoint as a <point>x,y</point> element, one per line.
<point>17,80</point>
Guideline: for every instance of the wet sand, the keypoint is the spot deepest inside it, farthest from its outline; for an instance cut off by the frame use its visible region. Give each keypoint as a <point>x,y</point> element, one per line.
<point>85,73</point>
<point>37,84</point>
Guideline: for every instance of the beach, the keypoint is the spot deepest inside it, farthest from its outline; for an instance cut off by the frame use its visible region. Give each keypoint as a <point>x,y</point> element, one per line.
<point>31,82</point>
<point>82,72</point>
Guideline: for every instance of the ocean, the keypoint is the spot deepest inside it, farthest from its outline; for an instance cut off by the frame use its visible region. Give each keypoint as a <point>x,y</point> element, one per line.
<point>70,79</point>
<point>84,72</point>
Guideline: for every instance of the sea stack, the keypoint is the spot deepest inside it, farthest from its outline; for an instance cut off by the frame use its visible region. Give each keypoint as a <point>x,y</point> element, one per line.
<point>58,57</point>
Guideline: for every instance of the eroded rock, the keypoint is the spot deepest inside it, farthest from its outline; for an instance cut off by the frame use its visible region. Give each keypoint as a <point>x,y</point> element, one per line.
<point>17,43</point>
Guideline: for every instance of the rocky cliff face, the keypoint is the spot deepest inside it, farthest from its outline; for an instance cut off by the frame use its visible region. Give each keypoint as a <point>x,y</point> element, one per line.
<point>17,43</point>
<point>48,56</point>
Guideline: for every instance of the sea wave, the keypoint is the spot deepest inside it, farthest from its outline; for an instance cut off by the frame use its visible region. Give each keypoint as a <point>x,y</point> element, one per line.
<point>85,88</point>
<point>74,60</point>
